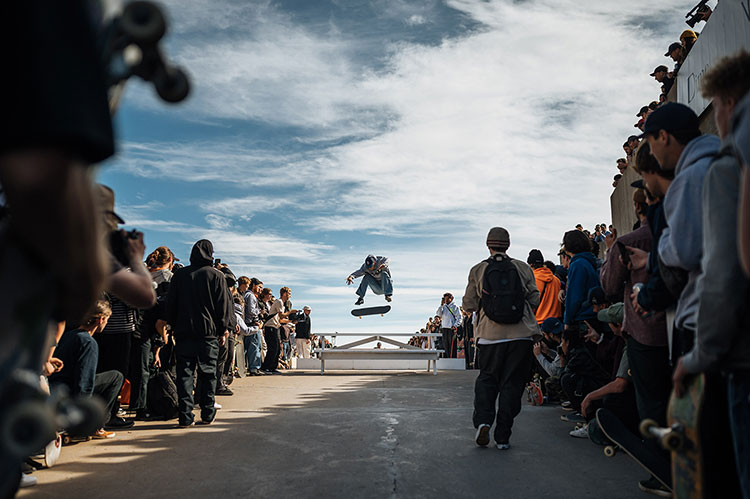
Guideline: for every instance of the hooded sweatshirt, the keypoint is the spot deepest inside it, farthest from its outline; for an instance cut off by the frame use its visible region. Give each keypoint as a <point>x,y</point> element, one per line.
<point>723,335</point>
<point>582,276</point>
<point>681,243</point>
<point>549,288</point>
<point>379,260</point>
<point>198,303</point>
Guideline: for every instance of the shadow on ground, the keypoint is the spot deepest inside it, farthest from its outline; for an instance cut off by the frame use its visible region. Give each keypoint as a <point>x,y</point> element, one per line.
<point>369,435</point>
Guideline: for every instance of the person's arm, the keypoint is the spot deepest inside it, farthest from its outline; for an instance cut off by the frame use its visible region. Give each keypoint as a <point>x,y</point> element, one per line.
<point>613,274</point>
<point>573,295</point>
<point>618,385</point>
<point>135,286</point>
<point>381,263</point>
<point>743,223</point>
<point>533,296</point>
<point>358,273</point>
<point>680,243</point>
<point>470,301</point>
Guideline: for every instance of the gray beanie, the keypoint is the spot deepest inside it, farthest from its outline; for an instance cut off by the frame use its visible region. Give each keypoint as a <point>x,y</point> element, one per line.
<point>498,239</point>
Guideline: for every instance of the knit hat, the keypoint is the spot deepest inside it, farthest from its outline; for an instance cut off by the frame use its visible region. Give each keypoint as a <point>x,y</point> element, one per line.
<point>688,33</point>
<point>498,239</point>
<point>535,257</point>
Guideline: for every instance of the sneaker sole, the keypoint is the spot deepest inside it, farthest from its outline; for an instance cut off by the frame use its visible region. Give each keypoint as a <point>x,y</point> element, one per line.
<point>482,437</point>
<point>656,492</point>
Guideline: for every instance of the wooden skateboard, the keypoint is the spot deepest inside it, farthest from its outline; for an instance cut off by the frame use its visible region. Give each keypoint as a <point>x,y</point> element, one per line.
<point>682,438</point>
<point>534,393</point>
<point>633,446</point>
<point>360,312</point>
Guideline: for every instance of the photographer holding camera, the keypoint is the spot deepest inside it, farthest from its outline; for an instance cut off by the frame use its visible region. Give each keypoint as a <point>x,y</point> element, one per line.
<point>450,319</point>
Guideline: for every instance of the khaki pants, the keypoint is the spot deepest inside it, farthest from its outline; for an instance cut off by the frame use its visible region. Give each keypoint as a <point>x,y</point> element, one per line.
<point>303,348</point>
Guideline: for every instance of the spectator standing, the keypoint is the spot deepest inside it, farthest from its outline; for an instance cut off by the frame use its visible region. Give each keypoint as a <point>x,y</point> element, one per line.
<point>661,74</point>
<point>504,349</point>
<point>271,331</point>
<point>549,287</point>
<point>450,320</point>
<point>199,308</point>
<point>582,276</point>
<point>302,340</point>
<point>252,315</point>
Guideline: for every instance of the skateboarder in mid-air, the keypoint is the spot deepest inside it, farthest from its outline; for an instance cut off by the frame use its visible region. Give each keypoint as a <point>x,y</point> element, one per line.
<point>375,274</point>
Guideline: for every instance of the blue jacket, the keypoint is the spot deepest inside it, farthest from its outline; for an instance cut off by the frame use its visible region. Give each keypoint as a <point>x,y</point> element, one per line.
<point>582,276</point>
<point>681,243</point>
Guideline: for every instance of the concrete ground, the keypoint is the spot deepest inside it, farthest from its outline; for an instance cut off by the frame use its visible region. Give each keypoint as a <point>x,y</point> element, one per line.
<point>352,435</point>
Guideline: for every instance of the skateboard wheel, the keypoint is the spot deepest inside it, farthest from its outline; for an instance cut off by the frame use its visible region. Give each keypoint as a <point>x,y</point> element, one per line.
<point>673,441</point>
<point>172,84</point>
<point>610,451</point>
<point>27,428</point>
<point>646,426</point>
<point>144,22</point>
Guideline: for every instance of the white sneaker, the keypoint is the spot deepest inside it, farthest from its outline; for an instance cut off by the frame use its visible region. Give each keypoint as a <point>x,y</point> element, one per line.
<point>217,405</point>
<point>482,438</point>
<point>27,480</point>
<point>580,432</point>
<point>503,446</point>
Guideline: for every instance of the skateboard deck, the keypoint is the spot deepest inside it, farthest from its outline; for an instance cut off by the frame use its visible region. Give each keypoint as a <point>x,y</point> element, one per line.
<point>682,438</point>
<point>629,442</point>
<point>359,312</point>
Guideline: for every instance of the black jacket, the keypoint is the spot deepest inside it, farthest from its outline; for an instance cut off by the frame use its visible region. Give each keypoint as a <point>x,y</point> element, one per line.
<point>303,328</point>
<point>198,303</point>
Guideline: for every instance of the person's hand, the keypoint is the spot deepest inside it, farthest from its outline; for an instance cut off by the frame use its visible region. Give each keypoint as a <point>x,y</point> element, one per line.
<point>537,349</point>
<point>636,306</point>
<point>561,296</point>
<point>638,258</point>
<point>349,280</point>
<point>455,328</point>
<point>157,360</point>
<point>237,329</point>
<point>609,239</point>
<point>591,334</point>
<point>223,338</point>
<point>136,248</point>
<point>53,365</point>
<point>678,378</point>
<point>544,347</point>
<point>585,405</point>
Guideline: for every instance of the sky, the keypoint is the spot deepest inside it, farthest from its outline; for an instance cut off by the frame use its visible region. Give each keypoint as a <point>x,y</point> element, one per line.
<point>319,132</point>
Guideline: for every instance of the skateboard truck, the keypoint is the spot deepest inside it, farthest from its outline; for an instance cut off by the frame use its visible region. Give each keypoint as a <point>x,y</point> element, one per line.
<point>671,439</point>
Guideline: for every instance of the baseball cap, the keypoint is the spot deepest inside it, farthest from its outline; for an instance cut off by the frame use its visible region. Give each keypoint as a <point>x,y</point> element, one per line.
<point>638,184</point>
<point>643,110</point>
<point>632,137</point>
<point>613,314</point>
<point>552,325</point>
<point>596,296</point>
<point>675,45</point>
<point>671,117</point>
<point>659,68</point>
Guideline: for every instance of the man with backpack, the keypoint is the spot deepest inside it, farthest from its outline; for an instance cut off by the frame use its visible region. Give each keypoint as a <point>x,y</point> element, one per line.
<point>503,291</point>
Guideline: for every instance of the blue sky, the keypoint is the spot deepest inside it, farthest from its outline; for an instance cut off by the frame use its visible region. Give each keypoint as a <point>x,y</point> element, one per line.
<point>321,131</point>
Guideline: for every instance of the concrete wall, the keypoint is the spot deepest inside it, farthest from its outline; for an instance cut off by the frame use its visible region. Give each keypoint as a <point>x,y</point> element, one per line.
<point>621,203</point>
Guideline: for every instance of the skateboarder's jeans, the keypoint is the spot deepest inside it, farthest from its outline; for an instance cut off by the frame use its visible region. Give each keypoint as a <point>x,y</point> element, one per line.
<point>384,286</point>
<point>504,370</point>
<point>200,354</point>
<point>739,418</point>
<point>252,350</point>
<point>107,386</point>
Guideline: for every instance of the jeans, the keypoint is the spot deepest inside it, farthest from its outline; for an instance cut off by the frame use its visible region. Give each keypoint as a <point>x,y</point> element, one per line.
<point>287,350</point>
<point>252,350</point>
<point>382,286</point>
<point>504,370</point>
<point>200,354</point>
<point>738,386</point>
<point>271,362</point>
<point>140,362</point>
<point>107,386</point>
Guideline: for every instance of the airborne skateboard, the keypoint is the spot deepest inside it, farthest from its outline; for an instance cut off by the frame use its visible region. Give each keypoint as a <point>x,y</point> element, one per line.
<point>633,446</point>
<point>360,312</point>
<point>682,438</point>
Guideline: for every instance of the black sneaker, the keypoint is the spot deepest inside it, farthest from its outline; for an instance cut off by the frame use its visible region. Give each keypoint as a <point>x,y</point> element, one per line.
<point>185,425</point>
<point>224,391</point>
<point>654,486</point>
<point>118,423</point>
<point>388,298</point>
<point>359,301</point>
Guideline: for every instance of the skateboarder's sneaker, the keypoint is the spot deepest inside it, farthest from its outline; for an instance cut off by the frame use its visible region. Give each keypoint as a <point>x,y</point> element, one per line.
<point>565,404</point>
<point>27,481</point>
<point>482,437</point>
<point>118,423</point>
<point>580,432</point>
<point>102,434</point>
<point>224,391</point>
<point>359,301</point>
<point>504,446</point>
<point>654,486</point>
<point>388,298</point>
<point>573,417</point>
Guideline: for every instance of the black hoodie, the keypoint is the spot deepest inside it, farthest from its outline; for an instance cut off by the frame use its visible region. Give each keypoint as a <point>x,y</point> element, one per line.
<point>198,303</point>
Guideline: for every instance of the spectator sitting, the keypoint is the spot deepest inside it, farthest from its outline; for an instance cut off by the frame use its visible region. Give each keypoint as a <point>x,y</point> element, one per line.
<point>661,74</point>
<point>581,374</point>
<point>548,357</point>
<point>79,354</point>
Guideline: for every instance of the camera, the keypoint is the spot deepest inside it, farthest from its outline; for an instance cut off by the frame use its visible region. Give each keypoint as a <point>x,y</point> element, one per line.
<point>697,13</point>
<point>118,242</point>
<point>297,316</point>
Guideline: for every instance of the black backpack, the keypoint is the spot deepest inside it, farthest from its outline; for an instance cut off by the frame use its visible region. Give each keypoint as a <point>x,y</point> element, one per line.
<point>503,296</point>
<point>162,396</point>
